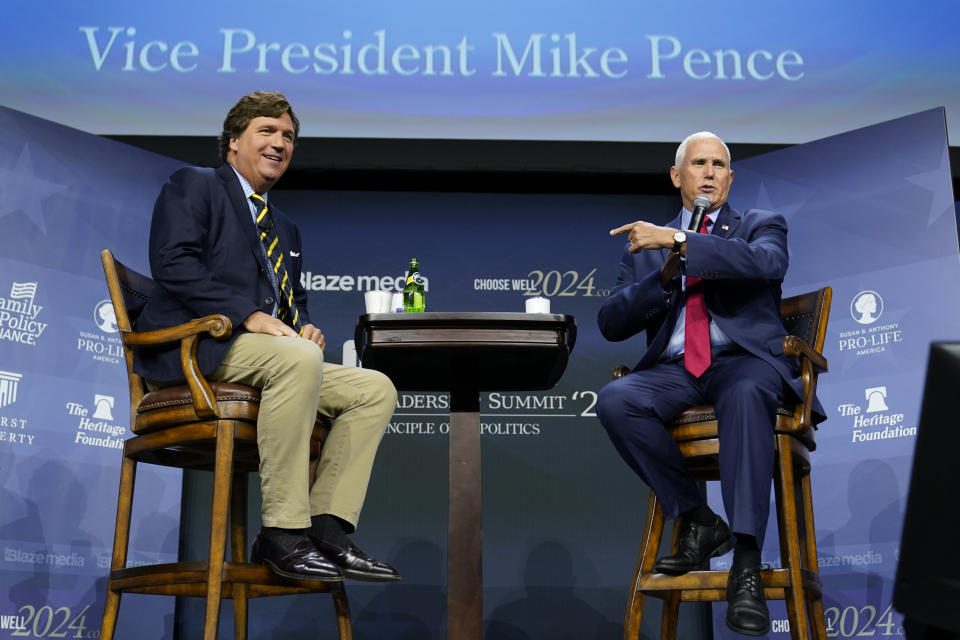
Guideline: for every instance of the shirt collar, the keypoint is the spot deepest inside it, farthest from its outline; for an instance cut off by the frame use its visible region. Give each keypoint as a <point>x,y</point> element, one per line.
<point>686,215</point>
<point>247,189</point>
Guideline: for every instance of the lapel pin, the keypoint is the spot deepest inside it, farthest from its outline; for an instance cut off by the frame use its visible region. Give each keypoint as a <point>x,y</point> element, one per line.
<point>725,227</point>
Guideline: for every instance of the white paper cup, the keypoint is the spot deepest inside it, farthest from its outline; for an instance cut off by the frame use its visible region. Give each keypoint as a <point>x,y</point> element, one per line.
<point>537,305</point>
<point>377,301</point>
<point>396,303</point>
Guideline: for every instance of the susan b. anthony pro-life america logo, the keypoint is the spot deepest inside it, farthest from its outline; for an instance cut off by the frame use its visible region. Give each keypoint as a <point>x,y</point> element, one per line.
<point>105,317</point>
<point>103,345</point>
<point>871,336</point>
<point>866,307</point>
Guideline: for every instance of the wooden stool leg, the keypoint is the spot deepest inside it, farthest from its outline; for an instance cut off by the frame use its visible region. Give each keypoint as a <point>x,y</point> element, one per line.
<point>789,541</point>
<point>121,541</point>
<point>238,551</point>
<point>669,615</point>
<point>222,477</point>
<point>649,546</point>
<point>818,623</point>
<point>342,607</point>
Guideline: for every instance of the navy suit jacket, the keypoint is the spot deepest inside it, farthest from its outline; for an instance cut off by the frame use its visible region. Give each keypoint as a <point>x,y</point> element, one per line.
<point>742,263</point>
<point>206,257</point>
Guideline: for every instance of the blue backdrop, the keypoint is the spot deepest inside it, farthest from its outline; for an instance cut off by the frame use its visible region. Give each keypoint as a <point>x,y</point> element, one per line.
<point>493,69</point>
<point>870,213</point>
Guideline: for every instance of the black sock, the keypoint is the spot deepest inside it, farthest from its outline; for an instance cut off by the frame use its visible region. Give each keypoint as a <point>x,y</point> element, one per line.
<point>330,529</point>
<point>286,539</point>
<point>746,553</point>
<point>701,515</point>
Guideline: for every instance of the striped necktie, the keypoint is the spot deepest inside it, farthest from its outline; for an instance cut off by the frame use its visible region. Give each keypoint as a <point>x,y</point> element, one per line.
<point>286,307</point>
<point>696,328</point>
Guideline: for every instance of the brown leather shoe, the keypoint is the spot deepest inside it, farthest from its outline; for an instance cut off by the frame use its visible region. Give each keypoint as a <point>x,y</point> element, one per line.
<point>302,562</point>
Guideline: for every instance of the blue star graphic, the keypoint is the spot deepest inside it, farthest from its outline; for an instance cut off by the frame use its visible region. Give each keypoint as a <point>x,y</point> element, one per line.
<point>22,190</point>
<point>937,182</point>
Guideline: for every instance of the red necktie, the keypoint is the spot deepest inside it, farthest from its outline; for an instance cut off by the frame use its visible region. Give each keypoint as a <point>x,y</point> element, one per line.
<point>696,328</point>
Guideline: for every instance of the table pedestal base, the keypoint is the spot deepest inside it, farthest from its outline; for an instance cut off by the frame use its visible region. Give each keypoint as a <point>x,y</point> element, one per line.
<point>465,519</point>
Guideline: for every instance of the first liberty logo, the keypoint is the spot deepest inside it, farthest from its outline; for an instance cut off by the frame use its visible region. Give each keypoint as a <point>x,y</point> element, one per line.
<point>18,315</point>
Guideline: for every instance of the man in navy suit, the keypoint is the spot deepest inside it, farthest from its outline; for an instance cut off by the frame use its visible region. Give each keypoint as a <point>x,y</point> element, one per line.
<point>207,257</point>
<point>723,285</point>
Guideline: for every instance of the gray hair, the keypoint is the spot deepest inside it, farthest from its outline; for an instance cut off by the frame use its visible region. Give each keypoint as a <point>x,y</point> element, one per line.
<point>700,135</point>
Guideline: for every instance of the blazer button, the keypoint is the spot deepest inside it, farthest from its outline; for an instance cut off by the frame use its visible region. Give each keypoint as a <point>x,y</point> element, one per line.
<point>269,300</point>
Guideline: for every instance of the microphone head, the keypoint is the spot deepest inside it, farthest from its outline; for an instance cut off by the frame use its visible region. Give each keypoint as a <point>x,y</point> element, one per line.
<point>701,202</point>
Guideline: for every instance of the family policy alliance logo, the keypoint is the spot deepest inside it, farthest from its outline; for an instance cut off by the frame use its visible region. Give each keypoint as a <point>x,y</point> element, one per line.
<point>19,315</point>
<point>104,345</point>
<point>872,336</point>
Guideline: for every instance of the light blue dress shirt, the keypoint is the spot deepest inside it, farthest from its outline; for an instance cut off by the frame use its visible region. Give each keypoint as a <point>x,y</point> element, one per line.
<point>718,338</point>
<point>247,192</point>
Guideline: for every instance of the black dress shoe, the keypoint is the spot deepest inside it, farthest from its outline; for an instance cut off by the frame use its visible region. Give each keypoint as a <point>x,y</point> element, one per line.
<point>355,564</point>
<point>302,562</point>
<point>747,609</point>
<point>696,544</point>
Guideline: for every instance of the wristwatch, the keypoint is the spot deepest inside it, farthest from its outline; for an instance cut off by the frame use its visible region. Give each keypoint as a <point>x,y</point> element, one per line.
<point>679,239</point>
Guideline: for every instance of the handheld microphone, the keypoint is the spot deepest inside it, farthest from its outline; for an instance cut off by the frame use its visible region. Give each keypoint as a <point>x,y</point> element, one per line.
<point>700,205</point>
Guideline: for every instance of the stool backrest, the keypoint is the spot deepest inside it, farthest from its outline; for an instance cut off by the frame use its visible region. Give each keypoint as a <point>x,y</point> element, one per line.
<point>129,292</point>
<point>806,315</point>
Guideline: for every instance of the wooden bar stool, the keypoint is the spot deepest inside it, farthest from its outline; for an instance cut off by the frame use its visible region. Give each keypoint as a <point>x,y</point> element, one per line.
<point>198,425</point>
<point>695,431</point>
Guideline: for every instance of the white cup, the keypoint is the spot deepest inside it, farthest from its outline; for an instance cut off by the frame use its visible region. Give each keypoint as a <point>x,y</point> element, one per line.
<point>537,305</point>
<point>377,301</point>
<point>396,303</point>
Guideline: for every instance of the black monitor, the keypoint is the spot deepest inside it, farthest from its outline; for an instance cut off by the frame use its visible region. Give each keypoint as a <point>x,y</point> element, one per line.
<point>927,589</point>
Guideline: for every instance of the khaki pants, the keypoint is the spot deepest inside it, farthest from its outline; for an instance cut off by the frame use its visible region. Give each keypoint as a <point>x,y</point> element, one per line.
<point>295,384</point>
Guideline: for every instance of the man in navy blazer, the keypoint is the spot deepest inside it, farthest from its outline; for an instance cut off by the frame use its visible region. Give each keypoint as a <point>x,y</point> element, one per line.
<point>736,268</point>
<point>207,257</point>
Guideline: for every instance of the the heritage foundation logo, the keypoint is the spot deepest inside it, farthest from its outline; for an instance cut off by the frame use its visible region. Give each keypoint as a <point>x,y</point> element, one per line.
<point>875,421</point>
<point>12,430</point>
<point>873,337</point>
<point>98,429</point>
<point>104,346</point>
<point>19,315</point>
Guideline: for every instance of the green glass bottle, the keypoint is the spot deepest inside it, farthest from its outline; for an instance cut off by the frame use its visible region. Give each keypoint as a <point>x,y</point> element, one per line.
<point>413,298</point>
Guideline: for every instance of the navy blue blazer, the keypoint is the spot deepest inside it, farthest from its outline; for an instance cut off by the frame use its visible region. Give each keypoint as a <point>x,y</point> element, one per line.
<point>742,263</point>
<point>206,258</point>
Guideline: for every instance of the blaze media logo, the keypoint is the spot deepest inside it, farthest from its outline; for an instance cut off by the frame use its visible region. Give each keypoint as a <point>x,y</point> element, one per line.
<point>872,336</point>
<point>18,315</point>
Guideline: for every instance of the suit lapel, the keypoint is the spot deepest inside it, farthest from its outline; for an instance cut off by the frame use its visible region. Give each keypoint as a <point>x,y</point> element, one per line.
<point>242,210</point>
<point>727,222</point>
